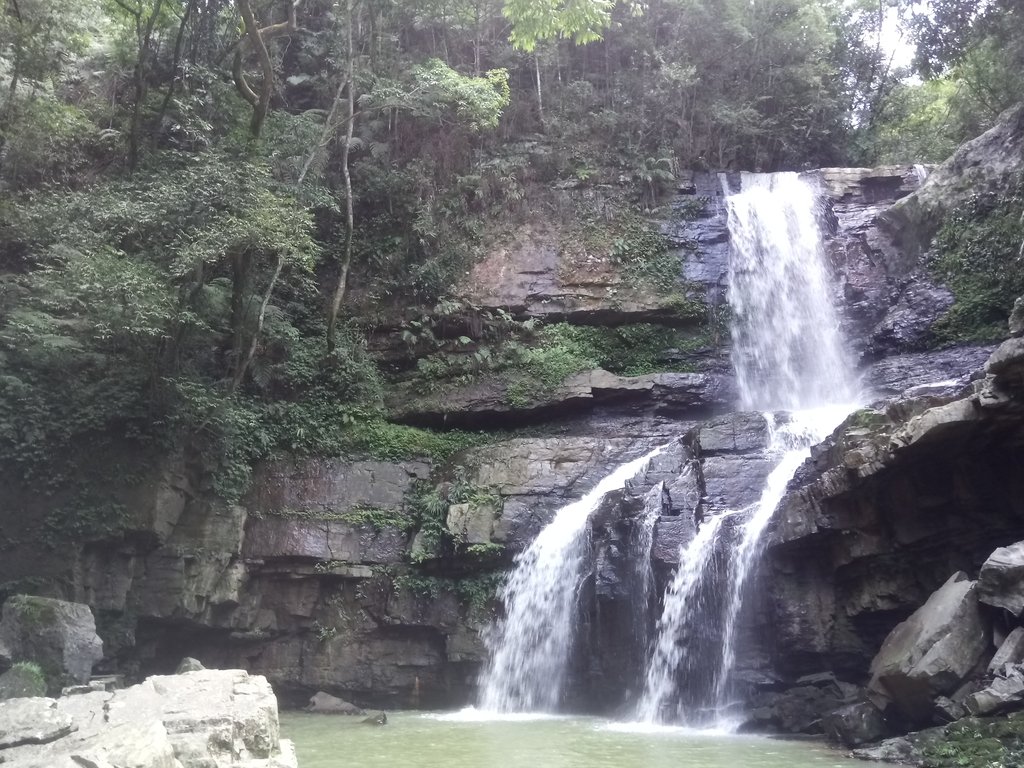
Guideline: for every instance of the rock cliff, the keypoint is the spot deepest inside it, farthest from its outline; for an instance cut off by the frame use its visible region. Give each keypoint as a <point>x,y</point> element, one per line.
<point>372,579</point>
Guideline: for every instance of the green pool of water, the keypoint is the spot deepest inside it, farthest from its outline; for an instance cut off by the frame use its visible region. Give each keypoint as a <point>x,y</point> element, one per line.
<point>461,740</point>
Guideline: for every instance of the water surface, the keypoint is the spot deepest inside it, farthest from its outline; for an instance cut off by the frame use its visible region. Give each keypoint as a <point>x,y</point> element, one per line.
<point>465,740</point>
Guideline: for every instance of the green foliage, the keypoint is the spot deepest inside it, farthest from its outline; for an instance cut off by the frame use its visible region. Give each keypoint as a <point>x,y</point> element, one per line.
<point>438,93</point>
<point>977,254</point>
<point>537,20</point>
<point>978,743</point>
<point>24,679</point>
<point>323,633</point>
<point>475,593</point>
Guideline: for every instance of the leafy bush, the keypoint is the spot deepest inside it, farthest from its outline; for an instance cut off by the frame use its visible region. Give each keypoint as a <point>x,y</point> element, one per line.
<point>977,253</point>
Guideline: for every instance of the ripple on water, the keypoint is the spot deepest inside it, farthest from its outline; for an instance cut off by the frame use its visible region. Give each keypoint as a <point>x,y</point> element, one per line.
<point>478,739</point>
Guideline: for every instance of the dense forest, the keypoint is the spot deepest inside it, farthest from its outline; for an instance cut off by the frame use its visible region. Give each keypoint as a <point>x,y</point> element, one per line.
<point>208,205</point>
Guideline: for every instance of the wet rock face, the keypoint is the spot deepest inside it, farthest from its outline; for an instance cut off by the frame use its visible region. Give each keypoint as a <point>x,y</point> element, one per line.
<point>57,635</point>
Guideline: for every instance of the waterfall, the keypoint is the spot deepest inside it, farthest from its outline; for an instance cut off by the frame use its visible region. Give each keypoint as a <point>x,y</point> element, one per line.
<point>529,650</point>
<point>788,356</point>
<point>790,441</point>
<point>787,349</point>
<point>683,609</point>
<point>641,541</point>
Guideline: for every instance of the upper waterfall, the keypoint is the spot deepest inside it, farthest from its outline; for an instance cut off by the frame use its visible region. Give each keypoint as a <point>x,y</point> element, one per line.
<point>787,352</point>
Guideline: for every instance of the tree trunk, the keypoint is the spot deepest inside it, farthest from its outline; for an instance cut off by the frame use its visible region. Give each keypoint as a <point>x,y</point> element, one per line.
<point>144,36</point>
<point>176,61</point>
<point>540,98</point>
<point>261,104</point>
<point>246,361</point>
<point>346,256</point>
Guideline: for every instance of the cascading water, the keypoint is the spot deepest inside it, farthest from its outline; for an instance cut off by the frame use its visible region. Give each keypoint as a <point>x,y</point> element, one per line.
<point>683,606</point>
<point>788,356</point>
<point>640,543</point>
<point>787,350</point>
<point>529,649</point>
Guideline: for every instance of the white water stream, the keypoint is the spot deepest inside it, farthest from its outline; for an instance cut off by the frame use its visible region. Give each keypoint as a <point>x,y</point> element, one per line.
<point>788,356</point>
<point>529,649</point>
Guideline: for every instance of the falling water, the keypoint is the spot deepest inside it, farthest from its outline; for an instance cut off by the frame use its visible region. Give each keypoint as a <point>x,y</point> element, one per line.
<point>640,543</point>
<point>788,356</point>
<point>790,442</point>
<point>529,649</point>
<point>681,612</point>
<point>787,349</point>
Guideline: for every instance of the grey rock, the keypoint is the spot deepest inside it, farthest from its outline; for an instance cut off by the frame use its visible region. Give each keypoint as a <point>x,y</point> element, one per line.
<point>58,635</point>
<point>331,485</point>
<point>734,481</point>
<point>22,681</point>
<point>671,534</point>
<point>380,718</point>
<point>985,164</point>
<point>932,652</point>
<point>325,703</point>
<point>208,719</point>
<point>1010,651</point>
<point>948,710</point>
<point>1003,694</point>
<point>472,523</point>
<point>32,721</point>
<point>939,371</point>
<point>188,664</point>
<point>1016,322</point>
<point>906,750</point>
<point>323,540</point>
<point>907,324</point>
<point>855,724</point>
<point>1001,580</point>
<point>734,433</point>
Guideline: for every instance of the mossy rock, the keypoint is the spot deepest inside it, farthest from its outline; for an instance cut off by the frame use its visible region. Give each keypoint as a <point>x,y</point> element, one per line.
<point>979,743</point>
<point>23,680</point>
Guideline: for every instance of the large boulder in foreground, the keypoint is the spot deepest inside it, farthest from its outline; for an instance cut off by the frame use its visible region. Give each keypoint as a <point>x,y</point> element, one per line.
<point>206,719</point>
<point>1001,580</point>
<point>57,635</point>
<point>932,653</point>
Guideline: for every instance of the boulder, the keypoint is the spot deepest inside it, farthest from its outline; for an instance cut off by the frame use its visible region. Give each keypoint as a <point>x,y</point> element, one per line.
<point>931,653</point>
<point>855,724</point>
<point>188,664</point>
<point>206,719</point>
<point>57,635</point>
<point>1010,651</point>
<point>1001,695</point>
<point>22,680</point>
<point>947,710</point>
<point>331,705</point>
<point>1001,580</point>
<point>907,750</point>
